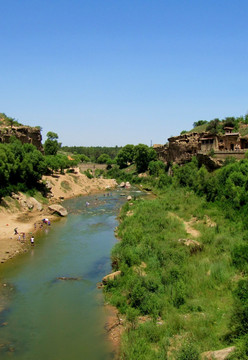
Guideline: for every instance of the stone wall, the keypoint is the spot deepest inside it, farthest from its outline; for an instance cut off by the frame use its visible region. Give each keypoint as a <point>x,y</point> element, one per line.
<point>180,148</point>
<point>25,134</point>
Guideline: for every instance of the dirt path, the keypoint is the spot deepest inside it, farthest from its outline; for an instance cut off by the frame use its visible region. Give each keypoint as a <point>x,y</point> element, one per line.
<point>188,226</point>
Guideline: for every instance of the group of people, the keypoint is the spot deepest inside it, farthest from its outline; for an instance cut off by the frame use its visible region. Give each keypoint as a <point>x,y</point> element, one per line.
<point>22,235</point>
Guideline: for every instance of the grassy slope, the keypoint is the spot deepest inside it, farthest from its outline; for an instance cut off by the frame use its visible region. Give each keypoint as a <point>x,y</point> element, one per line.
<point>190,292</point>
<point>198,129</point>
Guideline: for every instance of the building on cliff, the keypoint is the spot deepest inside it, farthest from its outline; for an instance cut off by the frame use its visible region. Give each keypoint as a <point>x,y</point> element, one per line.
<point>26,134</point>
<point>182,148</point>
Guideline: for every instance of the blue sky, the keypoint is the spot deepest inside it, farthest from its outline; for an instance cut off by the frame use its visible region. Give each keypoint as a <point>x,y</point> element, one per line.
<point>113,72</point>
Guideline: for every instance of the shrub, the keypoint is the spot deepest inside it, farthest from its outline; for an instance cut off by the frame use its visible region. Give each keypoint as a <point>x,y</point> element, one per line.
<point>89,174</point>
<point>156,167</point>
<point>188,351</point>
<point>239,319</point>
<point>239,256</point>
<point>103,159</point>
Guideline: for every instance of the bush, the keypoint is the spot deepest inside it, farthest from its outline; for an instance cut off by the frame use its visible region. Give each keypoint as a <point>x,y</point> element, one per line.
<point>239,256</point>
<point>163,181</point>
<point>156,167</point>
<point>89,174</point>
<point>239,320</point>
<point>103,159</point>
<point>142,156</point>
<point>84,158</point>
<point>188,351</point>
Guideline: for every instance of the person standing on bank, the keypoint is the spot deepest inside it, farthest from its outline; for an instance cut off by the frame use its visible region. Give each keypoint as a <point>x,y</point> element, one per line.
<point>32,240</point>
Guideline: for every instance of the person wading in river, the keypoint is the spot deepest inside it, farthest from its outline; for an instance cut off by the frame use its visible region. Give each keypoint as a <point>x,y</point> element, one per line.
<point>32,240</point>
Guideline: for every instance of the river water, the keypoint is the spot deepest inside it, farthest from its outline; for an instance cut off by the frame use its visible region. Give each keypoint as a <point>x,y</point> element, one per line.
<point>45,318</point>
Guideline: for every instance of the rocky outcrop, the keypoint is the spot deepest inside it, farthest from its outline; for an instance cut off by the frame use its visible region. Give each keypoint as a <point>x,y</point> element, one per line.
<point>180,148</point>
<point>32,203</point>
<point>26,134</point>
<point>218,355</point>
<point>193,245</point>
<point>111,276</point>
<point>56,208</point>
<point>126,185</point>
<point>211,149</point>
<point>210,162</point>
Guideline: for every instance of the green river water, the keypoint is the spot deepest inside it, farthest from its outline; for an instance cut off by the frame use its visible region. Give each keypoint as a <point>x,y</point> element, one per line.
<point>44,318</point>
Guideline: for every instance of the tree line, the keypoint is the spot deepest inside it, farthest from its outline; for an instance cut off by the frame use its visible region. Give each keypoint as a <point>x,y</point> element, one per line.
<point>92,152</point>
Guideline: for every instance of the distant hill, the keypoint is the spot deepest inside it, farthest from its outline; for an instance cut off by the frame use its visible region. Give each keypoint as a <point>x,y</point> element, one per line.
<point>216,126</point>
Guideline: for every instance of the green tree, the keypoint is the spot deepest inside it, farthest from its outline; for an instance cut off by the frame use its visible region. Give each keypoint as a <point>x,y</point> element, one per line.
<point>103,159</point>
<point>84,158</point>
<point>214,126</point>
<point>52,162</point>
<point>156,167</point>
<point>143,155</point>
<point>239,320</point>
<point>199,123</point>
<point>125,156</point>
<point>51,145</point>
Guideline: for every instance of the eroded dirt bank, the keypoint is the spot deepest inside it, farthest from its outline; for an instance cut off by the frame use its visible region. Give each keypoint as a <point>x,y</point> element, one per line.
<point>26,215</point>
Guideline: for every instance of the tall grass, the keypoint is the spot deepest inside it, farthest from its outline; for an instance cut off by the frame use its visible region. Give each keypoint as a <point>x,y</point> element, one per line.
<point>186,298</point>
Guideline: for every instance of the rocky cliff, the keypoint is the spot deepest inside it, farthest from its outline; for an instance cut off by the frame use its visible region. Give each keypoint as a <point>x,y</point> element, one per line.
<point>180,149</point>
<point>25,134</point>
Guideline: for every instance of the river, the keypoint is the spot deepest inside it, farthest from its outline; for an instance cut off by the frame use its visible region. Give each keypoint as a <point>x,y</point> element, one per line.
<point>45,318</point>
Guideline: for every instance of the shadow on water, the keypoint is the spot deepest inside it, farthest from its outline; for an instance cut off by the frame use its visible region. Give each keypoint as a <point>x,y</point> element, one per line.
<point>99,268</point>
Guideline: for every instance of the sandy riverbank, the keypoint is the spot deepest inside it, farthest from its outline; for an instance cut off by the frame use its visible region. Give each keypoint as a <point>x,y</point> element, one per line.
<point>18,215</point>
<point>10,245</point>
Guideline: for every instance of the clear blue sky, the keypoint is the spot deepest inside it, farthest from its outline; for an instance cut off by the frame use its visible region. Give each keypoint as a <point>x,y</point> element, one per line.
<point>112,72</point>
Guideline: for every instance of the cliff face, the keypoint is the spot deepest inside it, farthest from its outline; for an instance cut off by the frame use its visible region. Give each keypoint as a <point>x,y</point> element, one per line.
<point>25,134</point>
<point>180,148</point>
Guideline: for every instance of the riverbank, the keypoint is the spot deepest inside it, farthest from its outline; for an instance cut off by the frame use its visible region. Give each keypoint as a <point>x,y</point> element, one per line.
<point>177,276</point>
<point>26,223</point>
<point>17,212</point>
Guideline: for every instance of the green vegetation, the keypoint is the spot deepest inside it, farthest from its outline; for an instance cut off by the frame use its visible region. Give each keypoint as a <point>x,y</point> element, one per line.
<point>216,125</point>
<point>22,166</point>
<point>182,300</point>
<point>8,121</point>
<point>84,158</point>
<point>140,154</point>
<point>92,152</point>
<point>199,123</point>
<point>51,145</point>
<point>88,173</point>
<point>65,185</point>
<point>125,156</point>
<point>104,159</point>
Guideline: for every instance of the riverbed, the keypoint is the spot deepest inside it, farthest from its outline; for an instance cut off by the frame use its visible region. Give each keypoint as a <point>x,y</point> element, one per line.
<point>44,317</point>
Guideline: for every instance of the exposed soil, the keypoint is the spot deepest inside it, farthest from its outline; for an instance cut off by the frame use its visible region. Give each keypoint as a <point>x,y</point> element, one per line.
<point>114,327</point>
<point>16,215</point>
<point>188,226</point>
